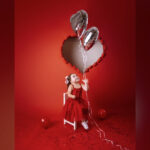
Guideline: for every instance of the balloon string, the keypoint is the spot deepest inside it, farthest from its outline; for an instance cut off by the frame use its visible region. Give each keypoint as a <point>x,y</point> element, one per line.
<point>101,132</point>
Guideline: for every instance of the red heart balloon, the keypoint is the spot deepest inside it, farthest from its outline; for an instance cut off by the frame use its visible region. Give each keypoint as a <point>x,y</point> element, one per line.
<point>102,113</point>
<point>45,123</point>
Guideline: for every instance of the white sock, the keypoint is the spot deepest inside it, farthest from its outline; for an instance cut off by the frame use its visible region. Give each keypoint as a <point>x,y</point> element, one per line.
<point>85,125</point>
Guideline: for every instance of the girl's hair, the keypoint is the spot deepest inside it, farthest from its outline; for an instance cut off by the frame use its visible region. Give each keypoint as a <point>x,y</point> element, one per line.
<point>69,80</point>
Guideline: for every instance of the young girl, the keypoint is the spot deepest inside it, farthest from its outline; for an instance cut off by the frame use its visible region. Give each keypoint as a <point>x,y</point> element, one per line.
<point>76,108</point>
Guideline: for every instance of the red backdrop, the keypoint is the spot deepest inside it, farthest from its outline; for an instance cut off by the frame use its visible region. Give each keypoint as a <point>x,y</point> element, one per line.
<point>41,27</point>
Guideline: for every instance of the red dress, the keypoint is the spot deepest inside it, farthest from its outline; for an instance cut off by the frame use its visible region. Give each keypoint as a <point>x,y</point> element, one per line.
<point>76,109</point>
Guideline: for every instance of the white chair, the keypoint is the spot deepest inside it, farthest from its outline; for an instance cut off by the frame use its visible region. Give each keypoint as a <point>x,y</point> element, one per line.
<point>74,124</point>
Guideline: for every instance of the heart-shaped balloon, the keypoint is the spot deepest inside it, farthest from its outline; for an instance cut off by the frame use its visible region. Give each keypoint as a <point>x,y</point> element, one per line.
<point>79,22</point>
<point>90,37</point>
<point>72,52</point>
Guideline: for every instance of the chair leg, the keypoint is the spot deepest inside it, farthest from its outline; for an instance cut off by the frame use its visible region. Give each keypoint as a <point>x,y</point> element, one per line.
<point>64,121</point>
<point>75,125</point>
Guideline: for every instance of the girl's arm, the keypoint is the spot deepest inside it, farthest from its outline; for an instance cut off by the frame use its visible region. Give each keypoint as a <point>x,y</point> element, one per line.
<point>85,86</point>
<point>70,88</point>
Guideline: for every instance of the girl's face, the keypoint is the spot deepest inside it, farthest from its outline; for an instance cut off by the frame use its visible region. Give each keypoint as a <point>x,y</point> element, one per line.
<point>74,78</point>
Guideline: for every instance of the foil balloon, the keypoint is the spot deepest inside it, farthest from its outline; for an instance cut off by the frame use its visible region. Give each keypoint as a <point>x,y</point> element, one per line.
<point>90,37</point>
<point>79,22</point>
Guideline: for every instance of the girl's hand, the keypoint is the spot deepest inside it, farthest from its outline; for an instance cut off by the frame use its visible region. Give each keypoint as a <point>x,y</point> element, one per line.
<point>70,88</point>
<point>85,86</point>
<point>73,96</point>
<point>85,81</point>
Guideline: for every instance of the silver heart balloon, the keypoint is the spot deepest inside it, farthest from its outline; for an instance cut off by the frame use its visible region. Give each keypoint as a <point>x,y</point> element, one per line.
<point>79,22</point>
<point>90,37</point>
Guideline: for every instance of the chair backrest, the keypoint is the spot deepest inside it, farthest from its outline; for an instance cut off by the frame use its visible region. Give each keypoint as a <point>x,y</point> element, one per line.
<point>65,97</point>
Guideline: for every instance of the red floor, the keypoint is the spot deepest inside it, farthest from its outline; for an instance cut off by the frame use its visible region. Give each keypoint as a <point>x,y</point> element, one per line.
<point>119,127</point>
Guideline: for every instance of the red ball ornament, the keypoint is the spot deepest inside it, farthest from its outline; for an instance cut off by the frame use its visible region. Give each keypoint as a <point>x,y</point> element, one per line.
<point>102,113</point>
<point>45,123</point>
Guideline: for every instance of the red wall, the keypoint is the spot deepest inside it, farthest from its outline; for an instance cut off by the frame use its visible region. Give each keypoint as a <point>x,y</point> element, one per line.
<point>41,27</point>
